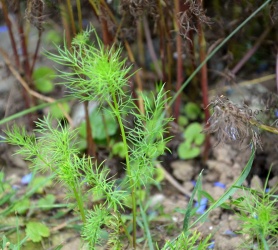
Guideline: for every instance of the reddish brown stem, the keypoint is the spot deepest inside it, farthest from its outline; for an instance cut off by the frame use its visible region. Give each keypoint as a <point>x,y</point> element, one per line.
<point>25,65</point>
<point>204,72</point>
<point>140,44</point>
<point>162,41</point>
<point>277,71</point>
<point>204,82</point>
<point>9,25</point>
<point>151,47</point>
<point>40,29</point>
<point>179,61</point>
<point>36,51</point>
<point>107,39</point>
<point>251,52</point>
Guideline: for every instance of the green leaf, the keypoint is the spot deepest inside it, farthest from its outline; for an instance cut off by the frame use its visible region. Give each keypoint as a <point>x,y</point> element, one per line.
<point>56,111</point>
<point>100,125</point>
<point>46,202</point>
<point>190,203</point>
<point>36,181</point>
<point>43,77</point>
<point>36,230</point>
<point>52,36</point>
<point>22,206</point>
<point>159,175</point>
<point>119,149</point>
<point>193,130</point>
<point>192,110</point>
<point>199,139</point>
<point>182,121</point>
<point>193,133</point>
<point>206,195</point>
<point>185,151</point>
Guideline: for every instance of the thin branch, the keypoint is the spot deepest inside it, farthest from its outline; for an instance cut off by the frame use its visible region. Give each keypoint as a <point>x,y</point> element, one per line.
<point>27,88</point>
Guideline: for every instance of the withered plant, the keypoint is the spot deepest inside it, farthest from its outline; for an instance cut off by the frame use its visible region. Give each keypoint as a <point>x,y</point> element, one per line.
<point>233,123</point>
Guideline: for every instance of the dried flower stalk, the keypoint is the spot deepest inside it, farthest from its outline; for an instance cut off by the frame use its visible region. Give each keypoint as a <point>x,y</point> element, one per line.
<point>233,124</point>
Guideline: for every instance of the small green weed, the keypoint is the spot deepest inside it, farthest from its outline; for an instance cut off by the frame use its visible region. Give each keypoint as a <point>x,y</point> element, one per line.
<point>258,214</point>
<point>194,139</point>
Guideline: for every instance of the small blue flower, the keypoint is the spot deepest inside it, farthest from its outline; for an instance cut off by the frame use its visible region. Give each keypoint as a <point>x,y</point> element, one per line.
<point>230,233</point>
<point>219,184</point>
<point>202,207</point>
<point>211,245</point>
<point>3,28</point>
<point>26,179</point>
<point>254,215</point>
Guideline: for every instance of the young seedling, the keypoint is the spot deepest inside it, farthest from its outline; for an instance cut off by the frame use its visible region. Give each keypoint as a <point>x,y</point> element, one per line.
<point>99,74</point>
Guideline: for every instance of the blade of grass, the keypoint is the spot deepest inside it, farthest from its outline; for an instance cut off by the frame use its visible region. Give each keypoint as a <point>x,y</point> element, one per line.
<point>230,191</point>
<point>190,203</point>
<point>146,227</point>
<point>264,242</point>
<point>32,109</point>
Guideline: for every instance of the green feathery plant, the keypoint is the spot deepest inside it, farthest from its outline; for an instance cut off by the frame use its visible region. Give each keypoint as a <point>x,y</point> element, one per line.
<point>98,73</point>
<point>189,241</point>
<point>258,213</point>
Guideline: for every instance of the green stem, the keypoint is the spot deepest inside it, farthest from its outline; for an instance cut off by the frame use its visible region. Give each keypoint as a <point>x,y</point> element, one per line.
<point>270,129</point>
<point>32,109</point>
<point>79,204</point>
<point>215,50</point>
<point>116,110</point>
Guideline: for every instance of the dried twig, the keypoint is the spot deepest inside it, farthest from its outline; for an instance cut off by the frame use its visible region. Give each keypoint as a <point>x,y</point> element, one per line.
<point>27,88</point>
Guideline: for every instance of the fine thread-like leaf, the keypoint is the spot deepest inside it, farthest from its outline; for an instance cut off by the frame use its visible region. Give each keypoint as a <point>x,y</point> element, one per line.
<point>190,203</point>
<point>146,226</point>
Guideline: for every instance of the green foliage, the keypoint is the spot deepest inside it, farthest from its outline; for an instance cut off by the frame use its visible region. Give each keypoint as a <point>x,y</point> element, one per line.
<point>183,121</point>
<point>92,230</point>
<point>189,208</point>
<point>194,138</point>
<point>53,36</point>
<point>258,213</point>
<point>118,148</point>
<point>102,185</point>
<point>40,188</point>
<point>103,123</point>
<point>57,110</point>
<point>97,72</point>
<point>192,110</point>
<point>46,202</point>
<point>36,230</point>
<point>6,244</point>
<point>188,241</point>
<point>43,78</point>
<point>6,191</point>
<point>147,138</point>
<point>22,206</point>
